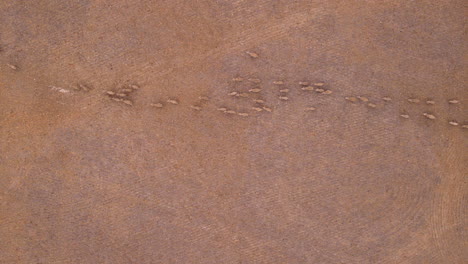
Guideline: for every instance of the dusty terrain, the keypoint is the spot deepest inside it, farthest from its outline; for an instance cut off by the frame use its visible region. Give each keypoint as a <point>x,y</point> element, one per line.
<point>88,177</point>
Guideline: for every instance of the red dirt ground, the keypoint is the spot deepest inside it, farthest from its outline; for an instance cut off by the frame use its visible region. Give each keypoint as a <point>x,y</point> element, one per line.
<point>86,179</point>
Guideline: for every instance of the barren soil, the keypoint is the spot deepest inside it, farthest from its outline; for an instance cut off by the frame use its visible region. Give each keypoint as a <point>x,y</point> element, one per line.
<point>170,131</point>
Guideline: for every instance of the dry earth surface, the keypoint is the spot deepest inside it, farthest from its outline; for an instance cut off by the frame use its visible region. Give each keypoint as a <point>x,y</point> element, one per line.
<point>129,131</point>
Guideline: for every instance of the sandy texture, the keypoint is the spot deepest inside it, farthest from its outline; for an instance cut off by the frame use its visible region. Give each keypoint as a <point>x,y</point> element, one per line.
<point>169,168</point>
